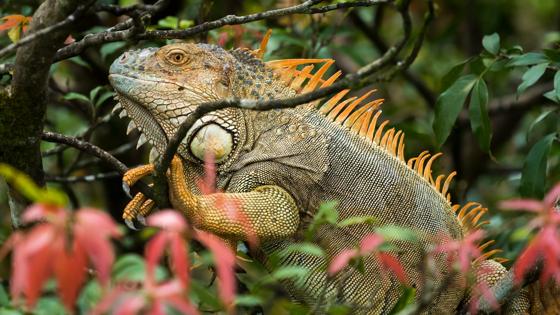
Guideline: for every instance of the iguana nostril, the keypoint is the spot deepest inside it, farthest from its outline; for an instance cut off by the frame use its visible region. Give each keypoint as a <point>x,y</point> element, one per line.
<point>124,57</point>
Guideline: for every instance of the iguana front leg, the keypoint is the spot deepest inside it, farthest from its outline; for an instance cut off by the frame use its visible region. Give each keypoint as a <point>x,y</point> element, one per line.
<point>267,211</point>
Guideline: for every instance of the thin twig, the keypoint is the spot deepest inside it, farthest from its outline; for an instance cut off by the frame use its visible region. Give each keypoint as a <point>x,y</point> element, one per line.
<point>98,152</point>
<point>78,179</point>
<point>86,147</point>
<point>47,30</point>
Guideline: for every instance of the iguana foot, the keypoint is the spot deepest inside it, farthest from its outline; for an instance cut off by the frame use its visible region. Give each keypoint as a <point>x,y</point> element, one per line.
<point>139,206</point>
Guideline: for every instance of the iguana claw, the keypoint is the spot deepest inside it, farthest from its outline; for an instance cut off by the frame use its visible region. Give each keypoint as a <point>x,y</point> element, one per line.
<point>126,189</point>
<point>131,225</point>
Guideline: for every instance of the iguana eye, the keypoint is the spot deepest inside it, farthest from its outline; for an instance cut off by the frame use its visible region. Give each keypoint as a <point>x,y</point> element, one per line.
<point>214,139</point>
<point>177,56</point>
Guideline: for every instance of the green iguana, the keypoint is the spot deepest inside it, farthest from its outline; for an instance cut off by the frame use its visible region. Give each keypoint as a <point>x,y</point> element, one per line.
<point>278,166</point>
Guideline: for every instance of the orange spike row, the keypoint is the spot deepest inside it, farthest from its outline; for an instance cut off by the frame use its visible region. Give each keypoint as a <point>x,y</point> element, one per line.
<point>485,245</point>
<point>401,149</point>
<point>259,53</point>
<point>349,122</point>
<point>396,141</point>
<point>447,183</point>
<point>332,114</point>
<point>420,165</point>
<point>301,76</point>
<point>317,77</point>
<point>438,182</point>
<point>351,107</point>
<point>372,124</point>
<point>387,137</point>
<point>465,208</point>
<point>328,106</point>
<point>419,159</point>
<point>331,79</point>
<point>289,63</point>
<point>362,123</point>
<point>379,132</point>
<point>487,255</point>
<point>428,170</point>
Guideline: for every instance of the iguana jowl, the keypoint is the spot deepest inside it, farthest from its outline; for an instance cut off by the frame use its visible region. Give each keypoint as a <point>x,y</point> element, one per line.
<point>278,166</point>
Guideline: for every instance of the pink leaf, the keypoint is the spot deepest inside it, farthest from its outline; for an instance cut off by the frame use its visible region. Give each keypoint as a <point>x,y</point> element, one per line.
<point>38,211</point>
<point>180,259</point>
<point>370,243</point>
<point>224,260</point>
<point>168,220</point>
<point>341,260</point>
<point>522,204</point>
<point>70,272</point>
<point>182,305</point>
<point>130,306</point>
<point>153,253</point>
<point>552,196</point>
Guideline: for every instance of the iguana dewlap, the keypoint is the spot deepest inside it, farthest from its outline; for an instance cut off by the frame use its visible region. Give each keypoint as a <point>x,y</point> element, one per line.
<point>276,167</point>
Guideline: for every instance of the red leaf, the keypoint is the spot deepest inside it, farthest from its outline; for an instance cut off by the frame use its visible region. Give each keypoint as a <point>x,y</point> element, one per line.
<point>92,231</point>
<point>370,243</point>
<point>393,264</point>
<point>11,21</point>
<point>38,211</point>
<point>180,259</point>
<point>525,261</point>
<point>341,260</point>
<point>153,253</point>
<point>168,220</point>
<point>522,204</point>
<point>70,272</point>
<point>552,196</point>
<point>69,40</point>
<point>224,260</point>
<point>208,183</point>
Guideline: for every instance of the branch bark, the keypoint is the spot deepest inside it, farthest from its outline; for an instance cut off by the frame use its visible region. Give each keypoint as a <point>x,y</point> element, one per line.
<point>22,111</point>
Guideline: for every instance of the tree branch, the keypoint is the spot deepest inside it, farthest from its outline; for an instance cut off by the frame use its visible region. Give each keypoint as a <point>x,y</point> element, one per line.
<point>97,152</point>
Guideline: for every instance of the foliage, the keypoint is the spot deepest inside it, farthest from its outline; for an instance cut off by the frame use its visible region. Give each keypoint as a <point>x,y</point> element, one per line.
<point>490,102</point>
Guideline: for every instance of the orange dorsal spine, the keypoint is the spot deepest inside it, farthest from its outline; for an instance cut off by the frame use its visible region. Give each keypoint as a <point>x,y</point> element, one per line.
<point>361,118</point>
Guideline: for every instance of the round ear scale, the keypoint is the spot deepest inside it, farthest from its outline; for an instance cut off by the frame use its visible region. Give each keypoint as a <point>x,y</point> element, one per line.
<point>212,138</point>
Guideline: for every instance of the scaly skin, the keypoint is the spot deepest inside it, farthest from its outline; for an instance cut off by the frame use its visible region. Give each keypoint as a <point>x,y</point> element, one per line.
<point>276,167</point>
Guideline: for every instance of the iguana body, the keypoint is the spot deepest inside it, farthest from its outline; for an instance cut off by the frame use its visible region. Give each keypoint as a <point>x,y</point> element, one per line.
<point>278,166</point>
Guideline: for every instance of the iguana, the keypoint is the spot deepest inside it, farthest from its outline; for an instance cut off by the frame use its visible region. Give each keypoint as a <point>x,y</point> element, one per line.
<point>278,166</point>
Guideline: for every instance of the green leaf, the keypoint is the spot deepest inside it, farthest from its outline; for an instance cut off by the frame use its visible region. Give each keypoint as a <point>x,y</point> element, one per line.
<point>296,273</point>
<point>248,300</point>
<point>528,59</point>
<point>25,185</point>
<point>492,43</point>
<point>205,296</point>
<point>452,75</point>
<point>368,219</point>
<point>546,123</point>
<point>399,233</point>
<point>449,105</point>
<point>49,306</point>
<point>406,298</point>
<point>104,96</point>
<point>305,248</point>
<point>76,96</point>
<point>89,297</point>
<point>339,310</point>
<point>557,84</point>
<point>131,267</point>
<point>93,93</point>
<point>5,311</point>
<point>531,76</point>
<point>478,112</point>
<point>4,298</point>
<point>551,95</point>
<point>327,213</point>
<point>533,175</point>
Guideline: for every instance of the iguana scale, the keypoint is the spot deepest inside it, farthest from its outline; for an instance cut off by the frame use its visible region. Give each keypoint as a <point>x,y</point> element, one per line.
<point>278,166</point>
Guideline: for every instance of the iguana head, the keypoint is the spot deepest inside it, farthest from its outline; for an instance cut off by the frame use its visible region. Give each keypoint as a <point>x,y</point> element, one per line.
<point>159,87</point>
